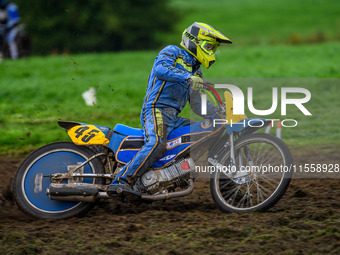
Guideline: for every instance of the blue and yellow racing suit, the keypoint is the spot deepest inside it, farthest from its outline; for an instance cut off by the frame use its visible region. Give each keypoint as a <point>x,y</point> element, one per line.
<point>166,96</point>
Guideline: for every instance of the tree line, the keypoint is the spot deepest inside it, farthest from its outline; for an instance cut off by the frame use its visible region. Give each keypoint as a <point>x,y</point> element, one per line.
<point>95,26</point>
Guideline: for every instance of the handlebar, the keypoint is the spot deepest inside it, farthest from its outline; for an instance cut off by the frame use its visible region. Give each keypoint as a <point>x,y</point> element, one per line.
<point>208,86</point>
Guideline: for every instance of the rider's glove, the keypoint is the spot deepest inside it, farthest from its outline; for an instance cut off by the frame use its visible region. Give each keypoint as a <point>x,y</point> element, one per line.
<point>196,83</point>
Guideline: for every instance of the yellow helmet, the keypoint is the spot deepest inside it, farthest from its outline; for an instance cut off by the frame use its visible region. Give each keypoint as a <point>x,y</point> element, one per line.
<point>202,41</point>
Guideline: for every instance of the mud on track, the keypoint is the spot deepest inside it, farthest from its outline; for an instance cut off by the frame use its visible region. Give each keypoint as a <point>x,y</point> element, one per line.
<point>305,221</point>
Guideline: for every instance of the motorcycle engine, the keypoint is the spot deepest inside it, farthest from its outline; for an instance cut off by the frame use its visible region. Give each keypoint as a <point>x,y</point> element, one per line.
<point>154,181</point>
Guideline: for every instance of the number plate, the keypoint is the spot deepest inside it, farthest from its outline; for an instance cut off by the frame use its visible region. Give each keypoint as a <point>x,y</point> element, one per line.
<point>87,134</point>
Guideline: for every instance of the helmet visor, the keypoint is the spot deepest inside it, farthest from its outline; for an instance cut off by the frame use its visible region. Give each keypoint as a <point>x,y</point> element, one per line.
<point>209,47</point>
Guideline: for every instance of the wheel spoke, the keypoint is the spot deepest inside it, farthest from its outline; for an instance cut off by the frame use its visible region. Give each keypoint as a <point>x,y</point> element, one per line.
<point>255,189</point>
<point>228,192</point>
<point>267,179</point>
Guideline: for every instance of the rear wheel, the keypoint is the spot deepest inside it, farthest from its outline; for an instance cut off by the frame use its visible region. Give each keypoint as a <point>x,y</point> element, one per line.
<point>264,170</point>
<point>31,180</point>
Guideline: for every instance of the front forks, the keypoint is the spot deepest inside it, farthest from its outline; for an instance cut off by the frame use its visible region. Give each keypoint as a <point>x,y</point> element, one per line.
<point>232,152</point>
<point>241,171</point>
<point>235,171</point>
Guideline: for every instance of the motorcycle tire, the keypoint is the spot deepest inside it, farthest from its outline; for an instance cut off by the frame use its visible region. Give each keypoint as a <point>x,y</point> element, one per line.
<point>32,199</point>
<point>259,190</point>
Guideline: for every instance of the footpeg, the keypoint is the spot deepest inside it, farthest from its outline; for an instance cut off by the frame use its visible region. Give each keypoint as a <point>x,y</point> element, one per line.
<point>123,191</point>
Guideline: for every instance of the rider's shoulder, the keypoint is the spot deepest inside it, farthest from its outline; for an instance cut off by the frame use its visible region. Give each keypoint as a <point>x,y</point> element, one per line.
<point>175,51</point>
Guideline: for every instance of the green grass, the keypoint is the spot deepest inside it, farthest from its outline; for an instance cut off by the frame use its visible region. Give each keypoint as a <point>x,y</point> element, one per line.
<point>38,91</point>
<point>262,21</point>
<point>269,41</point>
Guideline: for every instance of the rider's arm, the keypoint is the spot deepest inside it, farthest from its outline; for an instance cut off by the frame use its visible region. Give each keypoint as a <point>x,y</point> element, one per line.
<point>196,101</point>
<point>164,66</point>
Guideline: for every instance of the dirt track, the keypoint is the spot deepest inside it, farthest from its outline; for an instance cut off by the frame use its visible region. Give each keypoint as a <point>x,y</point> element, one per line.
<point>305,221</point>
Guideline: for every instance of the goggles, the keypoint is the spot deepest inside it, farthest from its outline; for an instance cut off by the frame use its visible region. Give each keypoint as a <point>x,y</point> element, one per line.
<point>209,47</point>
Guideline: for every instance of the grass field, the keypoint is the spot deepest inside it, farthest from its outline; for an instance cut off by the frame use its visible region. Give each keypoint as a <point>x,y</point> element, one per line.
<point>262,21</point>
<point>38,91</point>
<point>272,39</point>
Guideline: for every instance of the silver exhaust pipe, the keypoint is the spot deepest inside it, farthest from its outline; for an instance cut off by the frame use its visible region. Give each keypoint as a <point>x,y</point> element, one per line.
<point>75,192</point>
<point>181,193</point>
<point>82,192</point>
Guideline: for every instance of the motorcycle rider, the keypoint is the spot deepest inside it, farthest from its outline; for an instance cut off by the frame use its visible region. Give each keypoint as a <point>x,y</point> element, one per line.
<point>9,20</point>
<point>174,80</point>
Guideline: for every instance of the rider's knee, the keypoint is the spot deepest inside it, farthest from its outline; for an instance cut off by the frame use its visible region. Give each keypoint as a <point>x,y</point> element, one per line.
<point>159,148</point>
<point>162,148</point>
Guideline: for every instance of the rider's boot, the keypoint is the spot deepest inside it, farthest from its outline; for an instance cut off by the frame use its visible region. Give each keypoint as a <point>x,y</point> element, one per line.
<point>121,187</point>
<point>123,190</point>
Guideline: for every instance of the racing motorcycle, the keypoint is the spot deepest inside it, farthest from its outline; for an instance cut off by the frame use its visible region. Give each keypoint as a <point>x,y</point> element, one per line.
<point>66,179</point>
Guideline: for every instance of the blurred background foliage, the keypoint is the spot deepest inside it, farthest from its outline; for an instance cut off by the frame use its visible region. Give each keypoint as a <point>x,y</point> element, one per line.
<point>100,26</point>
<point>95,26</point>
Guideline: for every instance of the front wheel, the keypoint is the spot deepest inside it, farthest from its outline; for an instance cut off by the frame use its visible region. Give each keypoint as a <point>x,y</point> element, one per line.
<point>31,180</point>
<point>263,172</point>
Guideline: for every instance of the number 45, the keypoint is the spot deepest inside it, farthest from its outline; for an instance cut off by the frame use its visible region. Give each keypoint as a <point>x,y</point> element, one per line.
<point>87,137</point>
